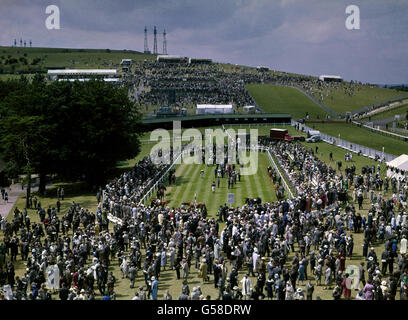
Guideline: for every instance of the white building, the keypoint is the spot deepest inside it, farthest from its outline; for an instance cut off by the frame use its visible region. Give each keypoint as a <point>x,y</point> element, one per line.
<point>330,78</point>
<point>108,75</point>
<point>398,167</point>
<point>214,109</point>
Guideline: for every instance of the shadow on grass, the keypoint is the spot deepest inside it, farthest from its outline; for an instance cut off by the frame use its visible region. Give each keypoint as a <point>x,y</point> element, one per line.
<point>180,181</point>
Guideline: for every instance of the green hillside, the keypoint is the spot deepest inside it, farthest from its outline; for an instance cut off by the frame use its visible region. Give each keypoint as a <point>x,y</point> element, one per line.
<point>340,100</point>
<point>278,99</point>
<point>30,60</point>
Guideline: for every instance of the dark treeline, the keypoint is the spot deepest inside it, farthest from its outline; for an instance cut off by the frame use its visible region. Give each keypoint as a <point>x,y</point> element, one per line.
<point>77,130</point>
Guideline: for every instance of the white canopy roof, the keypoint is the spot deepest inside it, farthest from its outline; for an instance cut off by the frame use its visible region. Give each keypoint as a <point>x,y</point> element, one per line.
<point>214,106</point>
<point>324,76</point>
<point>400,163</point>
<point>82,71</point>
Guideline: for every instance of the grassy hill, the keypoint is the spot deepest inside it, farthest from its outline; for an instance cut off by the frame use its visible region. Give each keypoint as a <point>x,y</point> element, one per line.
<point>278,99</point>
<point>339,101</point>
<point>31,60</point>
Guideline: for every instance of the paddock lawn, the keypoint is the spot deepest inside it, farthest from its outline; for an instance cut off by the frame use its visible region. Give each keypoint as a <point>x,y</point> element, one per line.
<point>189,182</point>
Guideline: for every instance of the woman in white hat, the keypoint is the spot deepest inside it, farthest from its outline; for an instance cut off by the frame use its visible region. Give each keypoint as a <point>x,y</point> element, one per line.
<point>299,294</point>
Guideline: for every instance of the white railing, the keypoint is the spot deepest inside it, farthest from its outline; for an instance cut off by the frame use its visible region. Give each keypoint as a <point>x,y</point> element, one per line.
<point>283,179</point>
<point>150,192</point>
<point>405,138</point>
<point>350,146</point>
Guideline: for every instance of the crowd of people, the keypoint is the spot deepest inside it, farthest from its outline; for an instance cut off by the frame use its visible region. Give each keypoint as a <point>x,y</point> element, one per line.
<point>264,251</point>
<point>159,83</point>
<point>188,84</point>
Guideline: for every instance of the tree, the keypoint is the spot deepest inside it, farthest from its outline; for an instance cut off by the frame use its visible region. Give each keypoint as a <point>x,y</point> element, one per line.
<point>77,130</point>
<point>105,130</point>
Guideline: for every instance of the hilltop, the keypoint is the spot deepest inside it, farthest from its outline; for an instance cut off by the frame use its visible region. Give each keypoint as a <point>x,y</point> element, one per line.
<point>20,60</point>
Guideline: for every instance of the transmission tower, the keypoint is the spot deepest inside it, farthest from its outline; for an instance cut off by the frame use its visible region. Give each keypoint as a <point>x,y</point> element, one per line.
<point>164,42</point>
<point>155,41</point>
<point>25,44</point>
<point>15,42</point>
<point>146,46</point>
<point>31,43</point>
<point>21,42</point>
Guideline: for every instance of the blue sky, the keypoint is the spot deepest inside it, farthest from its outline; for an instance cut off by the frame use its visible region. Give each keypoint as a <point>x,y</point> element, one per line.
<point>301,36</point>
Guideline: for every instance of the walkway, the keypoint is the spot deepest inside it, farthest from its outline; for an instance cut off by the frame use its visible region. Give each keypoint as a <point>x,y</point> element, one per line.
<point>13,196</point>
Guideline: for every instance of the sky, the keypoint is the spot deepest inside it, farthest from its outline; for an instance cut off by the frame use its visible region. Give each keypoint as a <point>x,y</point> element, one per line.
<point>300,36</point>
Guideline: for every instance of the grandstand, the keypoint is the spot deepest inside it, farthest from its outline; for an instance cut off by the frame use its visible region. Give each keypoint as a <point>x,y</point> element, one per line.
<point>171,59</point>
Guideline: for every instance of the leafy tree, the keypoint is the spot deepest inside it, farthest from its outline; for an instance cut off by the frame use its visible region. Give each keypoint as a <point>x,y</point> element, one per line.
<point>77,130</point>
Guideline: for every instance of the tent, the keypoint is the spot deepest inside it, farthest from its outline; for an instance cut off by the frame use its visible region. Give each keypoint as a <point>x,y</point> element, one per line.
<point>398,167</point>
<point>214,109</point>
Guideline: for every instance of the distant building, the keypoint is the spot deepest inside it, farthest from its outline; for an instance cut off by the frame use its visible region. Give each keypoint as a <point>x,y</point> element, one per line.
<point>330,78</point>
<point>171,59</point>
<point>262,68</point>
<point>199,61</point>
<point>126,64</point>
<point>214,109</point>
<point>108,75</point>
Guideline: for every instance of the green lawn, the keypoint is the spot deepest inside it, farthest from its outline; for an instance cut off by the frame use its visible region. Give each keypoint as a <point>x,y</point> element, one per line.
<point>64,58</point>
<point>364,137</point>
<point>278,99</point>
<point>367,95</point>
<point>189,183</point>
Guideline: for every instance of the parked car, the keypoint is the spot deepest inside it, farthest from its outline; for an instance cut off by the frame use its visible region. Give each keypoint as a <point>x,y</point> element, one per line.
<point>314,139</point>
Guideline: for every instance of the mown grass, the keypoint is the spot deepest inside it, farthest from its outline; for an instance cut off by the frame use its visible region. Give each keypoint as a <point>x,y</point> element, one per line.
<point>279,99</point>
<point>363,137</point>
<point>341,102</point>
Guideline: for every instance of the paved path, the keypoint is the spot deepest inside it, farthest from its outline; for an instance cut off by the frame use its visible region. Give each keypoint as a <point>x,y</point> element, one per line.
<point>13,196</point>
